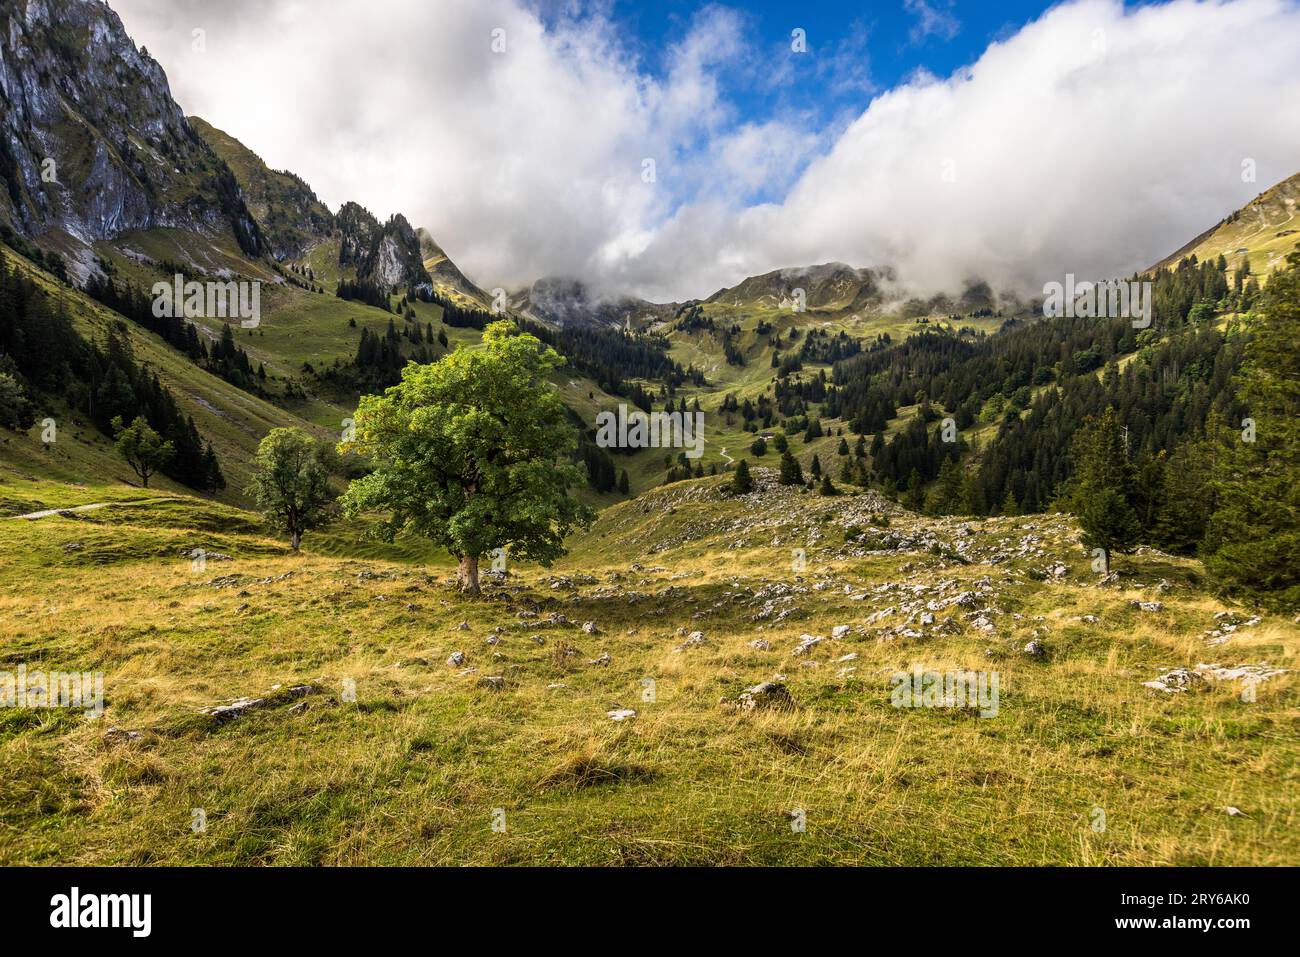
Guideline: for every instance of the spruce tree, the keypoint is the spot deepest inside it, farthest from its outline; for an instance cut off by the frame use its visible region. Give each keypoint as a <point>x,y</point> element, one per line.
<point>1009,505</point>
<point>1253,543</point>
<point>914,496</point>
<point>741,481</point>
<point>1103,495</point>
<point>791,472</point>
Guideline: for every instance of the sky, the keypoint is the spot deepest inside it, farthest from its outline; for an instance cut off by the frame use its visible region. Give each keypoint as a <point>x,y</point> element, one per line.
<point>670,149</point>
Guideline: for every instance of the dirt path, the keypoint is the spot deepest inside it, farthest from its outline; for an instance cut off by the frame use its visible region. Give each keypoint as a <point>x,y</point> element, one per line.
<point>55,511</point>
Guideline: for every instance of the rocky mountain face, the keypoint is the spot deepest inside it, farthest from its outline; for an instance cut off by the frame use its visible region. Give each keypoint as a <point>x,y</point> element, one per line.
<point>394,259</point>
<point>831,286</point>
<point>291,217</point>
<point>357,228</point>
<point>447,278</point>
<point>570,302</point>
<point>92,143</point>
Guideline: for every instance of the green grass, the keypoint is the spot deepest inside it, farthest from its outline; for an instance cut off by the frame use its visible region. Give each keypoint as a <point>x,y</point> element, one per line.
<point>413,770</point>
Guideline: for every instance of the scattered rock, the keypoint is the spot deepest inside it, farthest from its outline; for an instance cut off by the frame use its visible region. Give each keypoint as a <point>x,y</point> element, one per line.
<point>840,631</point>
<point>589,628</point>
<point>761,644</point>
<point>242,706</point>
<point>492,682</point>
<point>807,643</point>
<point>1183,679</point>
<point>621,714</point>
<point>602,660</point>
<point>767,694</point>
<point>694,640</point>
<point>1035,649</point>
<point>457,659</point>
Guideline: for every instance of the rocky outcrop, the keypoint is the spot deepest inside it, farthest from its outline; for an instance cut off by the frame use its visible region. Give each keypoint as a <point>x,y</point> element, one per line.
<point>92,143</point>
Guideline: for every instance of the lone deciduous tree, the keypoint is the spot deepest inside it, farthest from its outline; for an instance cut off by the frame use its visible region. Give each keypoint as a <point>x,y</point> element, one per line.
<point>290,485</point>
<point>142,447</point>
<point>473,453</point>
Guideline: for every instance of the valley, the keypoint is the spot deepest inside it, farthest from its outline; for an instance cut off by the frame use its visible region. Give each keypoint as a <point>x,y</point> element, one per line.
<point>673,658</point>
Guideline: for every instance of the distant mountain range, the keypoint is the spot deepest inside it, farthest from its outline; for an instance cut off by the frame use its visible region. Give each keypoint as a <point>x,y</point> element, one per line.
<point>94,148</point>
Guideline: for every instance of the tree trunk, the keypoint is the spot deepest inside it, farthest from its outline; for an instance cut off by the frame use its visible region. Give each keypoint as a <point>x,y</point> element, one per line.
<point>468,574</point>
<point>295,539</point>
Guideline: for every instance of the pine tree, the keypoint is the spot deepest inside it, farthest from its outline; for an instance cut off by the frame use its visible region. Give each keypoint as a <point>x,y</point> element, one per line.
<point>914,497</point>
<point>816,468</point>
<point>1253,543</point>
<point>741,482</point>
<point>1009,504</point>
<point>972,495</point>
<point>945,497</point>
<point>623,485</point>
<point>827,487</point>
<point>791,472</point>
<point>1103,496</point>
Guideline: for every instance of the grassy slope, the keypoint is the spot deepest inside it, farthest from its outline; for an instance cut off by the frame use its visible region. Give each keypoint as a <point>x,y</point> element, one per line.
<point>412,771</point>
<point>230,418</point>
<point>1268,228</point>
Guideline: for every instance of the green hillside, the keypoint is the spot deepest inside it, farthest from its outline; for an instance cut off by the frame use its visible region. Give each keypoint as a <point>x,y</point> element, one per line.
<point>1263,232</point>
<point>232,419</point>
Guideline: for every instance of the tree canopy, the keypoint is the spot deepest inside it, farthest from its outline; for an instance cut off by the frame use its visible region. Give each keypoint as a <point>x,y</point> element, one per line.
<point>473,453</point>
<point>290,484</point>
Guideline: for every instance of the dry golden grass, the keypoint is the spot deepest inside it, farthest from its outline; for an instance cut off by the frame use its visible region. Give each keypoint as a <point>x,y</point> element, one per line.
<point>413,770</point>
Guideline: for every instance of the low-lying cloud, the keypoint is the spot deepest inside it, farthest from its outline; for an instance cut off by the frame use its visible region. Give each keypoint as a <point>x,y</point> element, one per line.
<point>1093,141</point>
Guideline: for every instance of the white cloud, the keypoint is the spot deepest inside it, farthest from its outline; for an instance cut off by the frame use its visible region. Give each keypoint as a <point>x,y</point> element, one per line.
<point>1095,140</point>
<point>932,21</point>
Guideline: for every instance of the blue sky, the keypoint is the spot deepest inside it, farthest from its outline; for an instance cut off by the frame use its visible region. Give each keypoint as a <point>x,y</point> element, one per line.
<point>853,51</point>
<point>894,37</point>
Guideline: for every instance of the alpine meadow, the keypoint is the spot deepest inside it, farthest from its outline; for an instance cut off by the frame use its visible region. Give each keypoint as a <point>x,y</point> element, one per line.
<point>862,436</point>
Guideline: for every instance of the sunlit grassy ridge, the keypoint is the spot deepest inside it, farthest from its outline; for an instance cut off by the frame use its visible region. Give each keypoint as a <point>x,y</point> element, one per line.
<point>413,771</point>
<point>1263,232</point>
